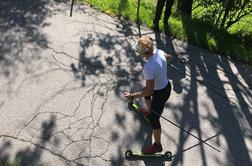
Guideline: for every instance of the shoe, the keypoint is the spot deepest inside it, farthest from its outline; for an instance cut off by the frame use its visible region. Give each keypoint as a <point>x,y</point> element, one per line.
<point>155,148</point>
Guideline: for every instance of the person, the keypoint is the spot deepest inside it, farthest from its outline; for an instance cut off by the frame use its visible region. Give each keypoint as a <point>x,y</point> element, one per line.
<point>157,87</point>
<point>159,9</point>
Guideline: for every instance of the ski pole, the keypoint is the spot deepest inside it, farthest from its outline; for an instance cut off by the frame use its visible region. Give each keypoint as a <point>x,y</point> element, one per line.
<point>181,128</point>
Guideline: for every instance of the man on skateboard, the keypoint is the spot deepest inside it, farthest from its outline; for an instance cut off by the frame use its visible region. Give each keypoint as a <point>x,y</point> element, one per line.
<point>157,89</point>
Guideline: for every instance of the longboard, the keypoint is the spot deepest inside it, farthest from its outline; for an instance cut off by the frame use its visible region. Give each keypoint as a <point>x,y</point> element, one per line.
<point>167,155</point>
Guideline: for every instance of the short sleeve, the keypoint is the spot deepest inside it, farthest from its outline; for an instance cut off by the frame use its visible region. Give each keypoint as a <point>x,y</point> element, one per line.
<point>148,72</point>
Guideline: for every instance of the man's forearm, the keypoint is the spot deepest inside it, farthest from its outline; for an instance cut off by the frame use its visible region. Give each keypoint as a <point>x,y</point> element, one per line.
<point>145,92</point>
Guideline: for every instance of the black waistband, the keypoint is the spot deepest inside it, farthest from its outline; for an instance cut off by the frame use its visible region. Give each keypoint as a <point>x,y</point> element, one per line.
<point>163,88</point>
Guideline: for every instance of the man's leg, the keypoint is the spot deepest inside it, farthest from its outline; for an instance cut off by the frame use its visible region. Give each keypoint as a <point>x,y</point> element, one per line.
<point>159,9</point>
<point>156,107</point>
<point>157,136</point>
<point>169,4</point>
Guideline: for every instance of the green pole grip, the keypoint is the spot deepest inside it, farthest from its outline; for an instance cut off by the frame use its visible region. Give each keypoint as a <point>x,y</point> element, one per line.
<point>135,106</point>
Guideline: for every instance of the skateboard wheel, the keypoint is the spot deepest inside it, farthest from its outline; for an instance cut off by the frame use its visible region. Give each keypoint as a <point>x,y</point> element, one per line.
<point>168,154</point>
<point>128,153</point>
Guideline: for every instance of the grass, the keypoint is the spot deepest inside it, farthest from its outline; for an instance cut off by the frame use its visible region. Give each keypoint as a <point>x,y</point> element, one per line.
<point>235,43</point>
<point>11,163</point>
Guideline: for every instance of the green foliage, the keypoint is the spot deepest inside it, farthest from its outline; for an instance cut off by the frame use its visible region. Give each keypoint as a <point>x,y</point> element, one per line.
<point>10,163</point>
<point>223,13</point>
<point>200,30</point>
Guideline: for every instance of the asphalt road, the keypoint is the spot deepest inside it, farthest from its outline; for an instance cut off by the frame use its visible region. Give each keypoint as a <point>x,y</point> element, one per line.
<point>61,84</point>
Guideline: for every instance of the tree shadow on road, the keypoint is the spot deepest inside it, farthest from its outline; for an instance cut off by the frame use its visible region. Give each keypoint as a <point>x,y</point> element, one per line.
<point>4,156</point>
<point>193,66</point>
<point>176,72</point>
<point>19,26</point>
<point>22,38</point>
<point>26,17</point>
<point>233,116</point>
<point>110,62</point>
<point>30,155</point>
<point>230,95</point>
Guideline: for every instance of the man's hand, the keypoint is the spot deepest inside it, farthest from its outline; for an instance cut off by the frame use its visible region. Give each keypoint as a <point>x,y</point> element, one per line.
<point>168,57</point>
<point>128,95</point>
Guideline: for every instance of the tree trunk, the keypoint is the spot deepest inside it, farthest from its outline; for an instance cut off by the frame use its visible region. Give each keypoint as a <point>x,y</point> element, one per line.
<point>227,6</point>
<point>185,7</point>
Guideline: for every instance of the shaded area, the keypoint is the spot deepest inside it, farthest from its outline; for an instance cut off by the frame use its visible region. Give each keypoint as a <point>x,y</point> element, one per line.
<point>234,128</point>
<point>102,57</point>
<point>228,121</point>
<point>199,64</point>
<point>29,156</point>
<point>22,39</point>
<point>20,35</point>
<point>108,67</point>
<point>107,58</point>
<point>4,156</point>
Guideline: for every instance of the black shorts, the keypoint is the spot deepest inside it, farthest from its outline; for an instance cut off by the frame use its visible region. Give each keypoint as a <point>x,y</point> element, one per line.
<point>159,99</point>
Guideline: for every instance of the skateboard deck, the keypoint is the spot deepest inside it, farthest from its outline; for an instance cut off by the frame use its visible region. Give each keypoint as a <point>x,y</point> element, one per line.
<point>167,155</point>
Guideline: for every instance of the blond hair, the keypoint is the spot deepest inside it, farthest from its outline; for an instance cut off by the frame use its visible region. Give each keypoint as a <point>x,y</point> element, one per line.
<point>144,45</point>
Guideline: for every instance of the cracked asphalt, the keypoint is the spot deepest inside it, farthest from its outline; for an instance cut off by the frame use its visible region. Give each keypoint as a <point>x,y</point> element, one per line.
<point>61,84</point>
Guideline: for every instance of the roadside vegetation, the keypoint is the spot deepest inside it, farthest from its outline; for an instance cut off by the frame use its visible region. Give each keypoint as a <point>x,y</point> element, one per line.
<point>224,27</point>
<point>11,163</point>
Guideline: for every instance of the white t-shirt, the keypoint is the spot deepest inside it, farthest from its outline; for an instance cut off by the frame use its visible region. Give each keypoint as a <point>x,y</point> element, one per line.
<point>156,69</point>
